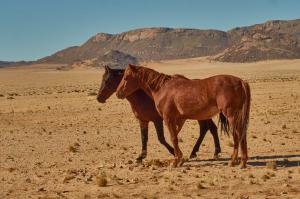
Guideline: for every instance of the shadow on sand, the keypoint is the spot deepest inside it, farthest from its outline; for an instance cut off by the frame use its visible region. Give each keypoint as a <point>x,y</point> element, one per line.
<point>256,161</point>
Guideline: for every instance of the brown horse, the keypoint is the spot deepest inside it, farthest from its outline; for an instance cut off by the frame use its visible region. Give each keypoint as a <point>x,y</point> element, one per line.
<point>144,110</point>
<point>178,98</point>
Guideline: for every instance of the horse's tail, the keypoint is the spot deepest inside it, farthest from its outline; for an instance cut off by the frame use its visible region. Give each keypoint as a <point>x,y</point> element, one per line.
<point>224,124</point>
<point>242,119</point>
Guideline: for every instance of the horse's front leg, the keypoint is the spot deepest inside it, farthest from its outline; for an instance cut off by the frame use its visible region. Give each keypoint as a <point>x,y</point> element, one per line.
<point>174,128</point>
<point>214,132</point>
<point>160,135</point>
<point>144,137</point>
<point>203,130</point>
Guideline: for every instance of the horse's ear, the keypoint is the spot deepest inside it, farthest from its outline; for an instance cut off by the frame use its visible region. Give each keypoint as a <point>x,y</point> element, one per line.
<point>132,67</point>
<point>107,68</point>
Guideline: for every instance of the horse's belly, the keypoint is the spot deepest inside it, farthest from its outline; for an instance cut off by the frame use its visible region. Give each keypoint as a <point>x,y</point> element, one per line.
<point>204,114</point>
<point>198,111</point>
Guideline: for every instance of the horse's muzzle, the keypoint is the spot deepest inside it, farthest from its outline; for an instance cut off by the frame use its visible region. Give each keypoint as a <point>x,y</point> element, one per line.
<point>120,95</point>
<point>100,99</point>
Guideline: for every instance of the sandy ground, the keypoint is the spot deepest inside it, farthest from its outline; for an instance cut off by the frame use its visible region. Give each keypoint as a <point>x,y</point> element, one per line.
<point>57,141</point>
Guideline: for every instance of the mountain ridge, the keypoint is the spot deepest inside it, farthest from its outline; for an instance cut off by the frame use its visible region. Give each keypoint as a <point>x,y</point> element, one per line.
<point>274,39</point>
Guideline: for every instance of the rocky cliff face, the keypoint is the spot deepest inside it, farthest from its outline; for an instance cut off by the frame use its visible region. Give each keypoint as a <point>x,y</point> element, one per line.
<point>271,40</point>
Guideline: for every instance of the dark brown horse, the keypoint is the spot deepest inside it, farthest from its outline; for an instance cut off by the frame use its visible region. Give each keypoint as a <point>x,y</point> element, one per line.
<point>144,110</point>
<point>178,98</point>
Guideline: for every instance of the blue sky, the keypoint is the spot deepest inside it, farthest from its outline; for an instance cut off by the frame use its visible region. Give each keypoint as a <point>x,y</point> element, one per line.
<point>31,29</point>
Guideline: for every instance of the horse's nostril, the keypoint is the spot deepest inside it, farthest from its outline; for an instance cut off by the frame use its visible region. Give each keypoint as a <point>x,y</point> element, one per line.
<point>120,94</point>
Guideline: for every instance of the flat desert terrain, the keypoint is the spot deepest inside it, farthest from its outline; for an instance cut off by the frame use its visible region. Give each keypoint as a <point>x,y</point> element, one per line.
<point>57,141</point>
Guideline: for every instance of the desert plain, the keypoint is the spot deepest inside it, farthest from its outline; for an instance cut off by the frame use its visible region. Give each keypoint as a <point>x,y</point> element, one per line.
<point>57,141</point>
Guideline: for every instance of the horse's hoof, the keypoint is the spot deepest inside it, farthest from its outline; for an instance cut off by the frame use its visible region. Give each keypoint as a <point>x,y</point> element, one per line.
<point>193,155</point>
<point>243,165</point>
<point>141,157</point>
<point>231,163</point>
<point>216,157</point>
<point>181,162</point>
<point>175,163</point>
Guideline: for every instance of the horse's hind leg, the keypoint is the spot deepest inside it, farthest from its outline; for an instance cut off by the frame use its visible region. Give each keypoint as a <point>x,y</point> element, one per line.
<point>161,137</point>
<point>144,137</point>
<point>214,132</point>
<point>244,155</point>
<point>203,130</point>
<point>234,156</point>
<point>174,128</point>
<point>235,134</point>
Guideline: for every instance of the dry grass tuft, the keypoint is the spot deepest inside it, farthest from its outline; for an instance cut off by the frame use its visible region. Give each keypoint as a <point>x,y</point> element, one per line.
<point>74,148</point>
<point>101,180</point>
<point>158,163</point>
<point>230,144</point>
<point>251,176</point>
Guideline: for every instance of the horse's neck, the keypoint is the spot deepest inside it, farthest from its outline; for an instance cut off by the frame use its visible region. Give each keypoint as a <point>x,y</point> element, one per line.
<point>151,82</point>
<point>147,89</point>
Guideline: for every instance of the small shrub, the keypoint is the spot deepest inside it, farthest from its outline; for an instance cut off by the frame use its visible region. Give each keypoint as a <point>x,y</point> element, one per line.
<point>101,180</point>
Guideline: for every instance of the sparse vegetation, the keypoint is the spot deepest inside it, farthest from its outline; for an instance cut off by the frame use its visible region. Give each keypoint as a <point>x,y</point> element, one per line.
<point>101,180</point>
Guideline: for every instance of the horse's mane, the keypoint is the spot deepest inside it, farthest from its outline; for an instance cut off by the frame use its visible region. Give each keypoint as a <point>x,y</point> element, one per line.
<point>154,79</point>
<point>179,76</point>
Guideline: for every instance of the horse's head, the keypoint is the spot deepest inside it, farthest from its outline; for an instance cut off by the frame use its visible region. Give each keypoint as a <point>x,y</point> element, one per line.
<point>129,83</point>
<point>110,81</point>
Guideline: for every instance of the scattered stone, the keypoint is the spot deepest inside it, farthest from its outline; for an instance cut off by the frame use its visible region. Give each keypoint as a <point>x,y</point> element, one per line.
<point>200,186</point>
<point>92,94</point>
<point>11,169</point>
<point>41,189</point>
<point>265,177</point>
<point>284,126</point>
<point>28,180</point>
<point>130,162</point>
